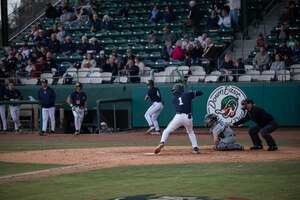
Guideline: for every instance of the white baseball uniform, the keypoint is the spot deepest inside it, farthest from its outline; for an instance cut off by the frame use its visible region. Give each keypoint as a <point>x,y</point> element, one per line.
<point>3,116</point>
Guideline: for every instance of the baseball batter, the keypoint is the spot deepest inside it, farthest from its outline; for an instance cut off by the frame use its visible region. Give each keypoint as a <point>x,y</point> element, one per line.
<point>183,106</point>
<point>155,109</point>
<point>78,102</point>
<point>223,135</point>
<point>14,95</point>
<point>3,106</point>
<point>46,96</point>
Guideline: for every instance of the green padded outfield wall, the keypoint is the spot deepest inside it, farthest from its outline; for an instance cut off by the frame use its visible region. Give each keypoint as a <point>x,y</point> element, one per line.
<point>282,100</point>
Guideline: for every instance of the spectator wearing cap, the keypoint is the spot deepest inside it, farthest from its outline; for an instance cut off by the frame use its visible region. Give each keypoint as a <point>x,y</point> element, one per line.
<point>193,18</point>
<point>101,61</point>
<point>83,47</point>
<point>154,15</point>
<point>68,48</point>
<point>94,45</point>
<point>129,55</point>
<point>168,35</point>
<point>46,97</point>
<point>107,25</point>
<point>89,61</point>
<point>95,23</point>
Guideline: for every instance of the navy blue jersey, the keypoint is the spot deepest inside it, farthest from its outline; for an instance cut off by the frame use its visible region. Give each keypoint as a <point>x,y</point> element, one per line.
<point>183,102</point>
<point>46,97</point>
<point>154,94</point>
<point>78,99</point>
<point>13,95</point>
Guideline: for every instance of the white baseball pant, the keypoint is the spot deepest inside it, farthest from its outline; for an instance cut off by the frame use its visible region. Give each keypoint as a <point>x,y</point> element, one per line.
<point>152,114</point>
<point>46,113</point>
<point>178,121</point>
<point>15,115</point>
<point>78,117</point>
<point>3,117</point>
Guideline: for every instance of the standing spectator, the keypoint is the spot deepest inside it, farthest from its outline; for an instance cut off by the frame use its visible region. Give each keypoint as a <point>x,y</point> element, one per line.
<point>167,50</point>
<point>11,64</point>
<point>178,53</point>
<point>83,47</point>
<point>46,97</point>
<point>132,71</point>
<point>210,53</point>
<point>261,60</point>
<point>95,23</point>
<point>260,42</point>
<point>169,14</point>
<point>101,61</point>
<point>224,19</point>
<point>235,6</point>
<point>89,61</point>
<point>13,95</point>
<point>68,48</point>
<point>212,20</point>
<point>3,107</point>
<point>50,12</point>
<point>278,64</point>
<point>154,15</point>
<point>138,62</point>
<point>168,35</point>
<point>54,44</point>
<point>192,19</point>
<point>265,125</point>
<point>94,45</point>
<point>107,25</point>
<point>155,109</point>
<point>78,103</point>
<point>183,106</point>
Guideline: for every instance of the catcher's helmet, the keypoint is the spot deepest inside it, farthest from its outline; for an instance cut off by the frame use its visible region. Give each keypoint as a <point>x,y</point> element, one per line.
<point>177,88</point>
<point>78,84</point>
<point>244,102</point>
<point>150,83</point>
<point>210,119</point>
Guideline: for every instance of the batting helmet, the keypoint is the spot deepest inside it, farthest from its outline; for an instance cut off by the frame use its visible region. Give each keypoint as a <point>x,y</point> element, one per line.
<point>210,119</point>
<point>78,84</point>
<point>150,83</point>
<point>177,88</point>
<point>246,101</point>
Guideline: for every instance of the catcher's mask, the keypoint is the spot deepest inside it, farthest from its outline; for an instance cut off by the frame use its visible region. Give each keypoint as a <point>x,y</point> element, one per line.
<point>210,119</point>
<point>245,102</point>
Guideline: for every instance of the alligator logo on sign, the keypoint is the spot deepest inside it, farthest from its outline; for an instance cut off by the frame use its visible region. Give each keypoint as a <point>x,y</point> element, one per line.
<point>225,102</point>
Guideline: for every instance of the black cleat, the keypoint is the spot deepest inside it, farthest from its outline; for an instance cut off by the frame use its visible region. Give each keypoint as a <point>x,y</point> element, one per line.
<point>43,133</point>
<point>256,147</point>
<point>272,148</point>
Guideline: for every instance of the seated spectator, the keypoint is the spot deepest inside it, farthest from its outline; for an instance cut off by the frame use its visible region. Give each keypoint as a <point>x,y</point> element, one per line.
<point>202,39</point>
<point>141,65</point>
<point>169,14</point>
<point>61,35</point>
<point>152,39</point>
<point>64,4</point>
<point>89,61</point>
<point>20,61</point>
<point>40,39</point>
<point>168,35</point>
<point>132,71</point>
<point>238,69</point>
<point>186,41</point>
<point>25,51</point>
<point>107,25</point>
<point>34,73</point>
<point>33,54</point>
<point>278,64</point>
<point>287,60</point>
<point>53,29</point>
<point>292,43</point>
<point>101,61</point>
<point>43,52</point>
<point>283,49</point>
<point>82,18</point>
<point>227,64</point>
<point>50,12</point>
<point>154,15</point>
<point>188,49</point>
<point>197,51</point>
<point>33,33</point>
<point>50,62</point>
<point>224,19</point>
<point>22,73</point>
<point>124,12</point>
<point>282,34</point>
<point>212,20</point>
<point>30,65</point>
<point>187,59</point>
<point>42,66</point>
<point>83,46</point>
<point>95,23</point>
<point>54,44</point>
<point>66,17</point>
<point>260,42</point>
<point>111,66</point>
<point>261,60</point>
<point>193,18</point>
<point>167,50</point>
<point>94,45</point>
<point>178,53</point>
<point>129,55</point>
<point>68,48</point>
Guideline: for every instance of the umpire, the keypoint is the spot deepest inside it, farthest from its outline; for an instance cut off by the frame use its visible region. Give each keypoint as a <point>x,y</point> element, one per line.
<point>265,124</point>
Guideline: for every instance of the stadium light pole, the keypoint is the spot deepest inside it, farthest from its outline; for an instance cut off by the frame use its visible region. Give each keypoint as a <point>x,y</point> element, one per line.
<point>4,18</point>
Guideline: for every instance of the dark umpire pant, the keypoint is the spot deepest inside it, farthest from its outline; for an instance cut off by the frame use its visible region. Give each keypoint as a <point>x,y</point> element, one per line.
<point>265,132</point>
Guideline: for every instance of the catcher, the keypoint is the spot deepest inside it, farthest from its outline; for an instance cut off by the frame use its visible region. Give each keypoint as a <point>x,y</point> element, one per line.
<point>224,137</point>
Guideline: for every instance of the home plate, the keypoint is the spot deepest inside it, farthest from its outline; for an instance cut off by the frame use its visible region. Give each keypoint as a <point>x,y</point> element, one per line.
<point>149,154</point>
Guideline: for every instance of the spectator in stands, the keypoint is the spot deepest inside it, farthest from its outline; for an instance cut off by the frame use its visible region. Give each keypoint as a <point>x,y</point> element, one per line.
<point>283,49</point>
<point>11,64</point>
<point>261,60</point>
<point>33,32</point>
<point>43,68</point>
<point>101,61</point>
<point>167,50</point>
<point>107,25</point>
<point>40,39</point>
<point>30,64</point>
<point>168,35</point>
<point>89,61</point>
<point>286,17</point>
<point>210,53</point>
<point>235,6</point>
<point>66,17</point>
<point>212,20</point>
<point>202,39</point>
<point>294,12</point>
<point>33,54</point>
<point>83,46</point>
<point>152,38</point>
<point>54,44</point>
<point>53,29</point>
<point>94,45</point>
<point>292,43</point>
<point>61,35</point>
<point>193,18</point>
<point>20,61</point>
<point>224,19</point>
<point>34,73</point>
<point>111,66</point>
<point>216,5</point>
<point>64,4</point>
<point>227,64</point>
<point>132,71</point>
<point>260,42</point>
<point>82,18</point>
<point>278,64</point>
<point>50,62</point>
<point>169,14</point>
<point>22,73</point>
<point>187,59</point>
<point>43,52</point>
<point>68,48</point>
<point>178,53</point>
<point>197,51</point>
<point>50,12</point>
<point>129,55</point>
<point>95,23</point>
<point>283,33</point>
<point>186,41</point>
<point>154,15</point>
<point>188,49</point>
<point>138,62</point>
<point>124,12</point>
<point>287,61</point>
<point>238,69</point>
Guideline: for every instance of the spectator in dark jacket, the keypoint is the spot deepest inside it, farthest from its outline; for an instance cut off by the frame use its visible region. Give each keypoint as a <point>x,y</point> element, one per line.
<point>51,12</point>
<point>95,23</point>
<point>54,44</point>
<point>107,25</point>
<point>83,46</point>
<point>193,18</point>
<point>169,14</point>
<point>68,47</point>
<point>154,15</point>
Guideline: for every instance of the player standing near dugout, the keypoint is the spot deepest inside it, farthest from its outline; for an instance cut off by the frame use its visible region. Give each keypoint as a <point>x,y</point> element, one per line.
<point>46,97</point>
<point>265,125</point>
<point>155,109</point>
<point>14,95</point>
<point>223,136</point>
<point>183,106</point>
<point>78,102</point>
<point>3,107</point>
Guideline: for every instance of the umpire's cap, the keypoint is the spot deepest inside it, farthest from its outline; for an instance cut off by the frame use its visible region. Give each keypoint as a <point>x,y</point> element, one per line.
<point>246,101</point>
<point>177,88</point>
<point>78,84</point>
<point>150,83</point>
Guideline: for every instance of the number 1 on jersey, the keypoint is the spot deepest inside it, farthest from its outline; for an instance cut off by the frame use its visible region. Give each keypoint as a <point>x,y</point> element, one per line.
<point>180,101</point>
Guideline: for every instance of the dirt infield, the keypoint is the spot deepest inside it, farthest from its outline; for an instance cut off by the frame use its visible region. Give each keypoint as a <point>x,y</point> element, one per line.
<point>85,159</point>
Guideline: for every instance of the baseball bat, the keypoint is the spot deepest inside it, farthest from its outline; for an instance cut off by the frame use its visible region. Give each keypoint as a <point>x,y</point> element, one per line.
<point>181,77</point>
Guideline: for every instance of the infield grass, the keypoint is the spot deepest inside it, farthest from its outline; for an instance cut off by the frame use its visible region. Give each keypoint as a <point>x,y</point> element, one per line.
<point>255,181</point>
